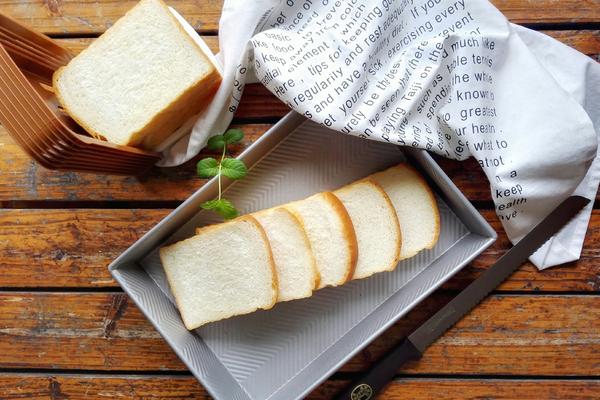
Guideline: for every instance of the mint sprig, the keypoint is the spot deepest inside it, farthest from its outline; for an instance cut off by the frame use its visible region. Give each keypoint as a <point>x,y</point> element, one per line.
<point>229,167</point>
<point>222,206</point>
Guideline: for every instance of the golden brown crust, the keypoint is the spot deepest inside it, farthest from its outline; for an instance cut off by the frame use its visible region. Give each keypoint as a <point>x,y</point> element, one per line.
<point>432,202</point>
<point>349,233</point>
<point>394,219</point>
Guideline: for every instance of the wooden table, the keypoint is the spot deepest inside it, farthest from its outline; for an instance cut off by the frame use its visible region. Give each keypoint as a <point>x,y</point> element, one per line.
<point>67,331</point>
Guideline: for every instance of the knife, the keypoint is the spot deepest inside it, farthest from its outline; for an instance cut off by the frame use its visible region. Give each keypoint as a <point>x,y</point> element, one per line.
<point>412,347</point>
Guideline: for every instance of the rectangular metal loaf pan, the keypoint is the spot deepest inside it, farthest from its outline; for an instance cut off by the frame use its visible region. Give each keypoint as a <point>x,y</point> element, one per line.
<point>286,352</point>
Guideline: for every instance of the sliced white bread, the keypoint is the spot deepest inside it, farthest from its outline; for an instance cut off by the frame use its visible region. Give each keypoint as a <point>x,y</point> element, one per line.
<point>415,206</point>
<point>331,235</point>
<point>376,226</point>
<point>295,264</point>
<point>140,81</point>
<point>224,270</point>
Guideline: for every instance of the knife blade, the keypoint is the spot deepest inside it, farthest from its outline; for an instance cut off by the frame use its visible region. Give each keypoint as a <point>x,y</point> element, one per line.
<point>413,346</point>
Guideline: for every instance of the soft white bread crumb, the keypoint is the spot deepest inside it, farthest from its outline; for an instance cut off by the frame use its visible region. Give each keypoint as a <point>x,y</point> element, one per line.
<point>138,82</point>
<point>297,273</point>
<point>331,236</point>
<point>376,226</point>
<point>224,270</point>
<point>415,206</point>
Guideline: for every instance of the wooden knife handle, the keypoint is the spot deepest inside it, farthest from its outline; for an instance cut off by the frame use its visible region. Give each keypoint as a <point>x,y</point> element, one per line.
<point>375,379</point>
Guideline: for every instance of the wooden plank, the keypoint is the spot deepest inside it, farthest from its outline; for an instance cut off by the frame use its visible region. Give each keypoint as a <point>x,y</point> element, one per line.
<point>80,331</point>
<point>507,334</point>
<point>504,335</point>
<point>166,387</point>
<point>72,248</point>
<point>468,177</point>
<point>21,179</point>
<point>585,41</point>
<point>73,387</point>
<point>460,389</point>
<point>564,11</point>
<point>73,17</point>
<point>56,248</point>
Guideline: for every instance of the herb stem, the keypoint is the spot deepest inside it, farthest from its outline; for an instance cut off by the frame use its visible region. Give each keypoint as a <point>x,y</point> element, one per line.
<point>220,163</point>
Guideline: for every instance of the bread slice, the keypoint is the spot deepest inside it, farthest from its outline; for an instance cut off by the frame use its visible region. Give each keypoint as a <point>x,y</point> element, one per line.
<point>295,264</point>
<point>376,226</point>
<point>415,206</point>
<point>140,81</point>
<point>224,270</point>
<point>331,235</point>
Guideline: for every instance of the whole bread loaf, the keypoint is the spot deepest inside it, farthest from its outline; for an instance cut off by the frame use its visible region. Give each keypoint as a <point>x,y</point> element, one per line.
<point>140,81</point>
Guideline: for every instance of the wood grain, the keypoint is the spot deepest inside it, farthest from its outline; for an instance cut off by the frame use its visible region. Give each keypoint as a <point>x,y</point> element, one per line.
<point>582,275</point>
<point>67,248</point>
<point>488,389</point>
<point>585,41</point>
<point>76,17</point>
<point>171,387</point>
<point>72,248</point>
<point>21,179</point>
<point>506,334</point>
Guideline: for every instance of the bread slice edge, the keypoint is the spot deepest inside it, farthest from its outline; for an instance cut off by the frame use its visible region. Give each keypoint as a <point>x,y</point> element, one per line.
<point>432,202</point>
<point>349,233</point>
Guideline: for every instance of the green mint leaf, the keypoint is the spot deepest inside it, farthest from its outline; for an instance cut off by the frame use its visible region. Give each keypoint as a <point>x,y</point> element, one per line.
<point>233,136</point>
<point>207,168</point>
<point>233,168</point>
<point>222,206</point>
<point>216,143</point>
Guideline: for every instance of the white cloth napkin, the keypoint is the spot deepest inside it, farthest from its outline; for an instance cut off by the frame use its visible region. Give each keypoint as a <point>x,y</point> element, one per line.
<point>452,77</point>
